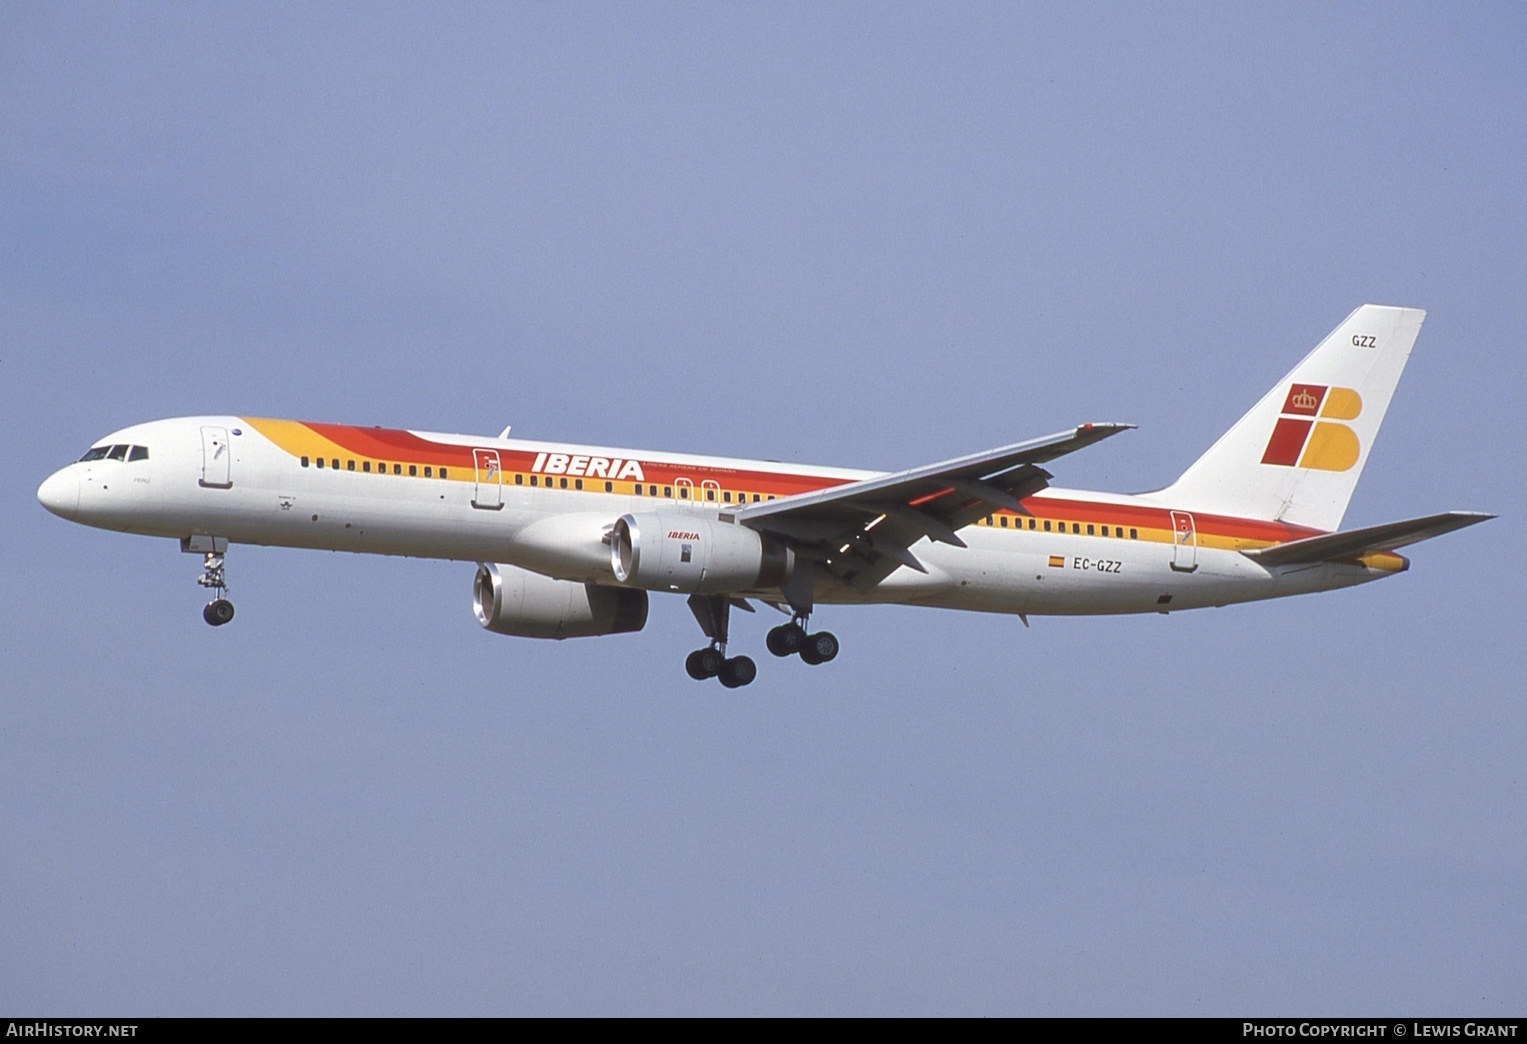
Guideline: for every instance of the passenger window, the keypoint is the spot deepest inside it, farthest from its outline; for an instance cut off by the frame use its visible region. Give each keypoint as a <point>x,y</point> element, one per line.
<point>519,480</point>
<point>710,494</point>
<point>397,469</point>
<point>366,466</point>
<point>349,465</point>
<point>652,491</point>
<point>727,496</point>
<point>138,453</point>
<point>1047,525</point>
<point>413,471</point>
<point>755,498</point>
<point>609,486</point>
<point>1076,527</point>
<point>683,492</point>
<point>562,483</point>
<point>443,474</point>
<point>320,462</point>
<point>1004,521</point>
<point>1032,523</point>
<point>304,462</point>
<point>638,489</point>
<point>577,483</point>
<point>117,453</point>
<point>533,480</point>
<point>667,491</point>
<point>1089,530</point>
<point>1134,534</point>
<point>427,472</point>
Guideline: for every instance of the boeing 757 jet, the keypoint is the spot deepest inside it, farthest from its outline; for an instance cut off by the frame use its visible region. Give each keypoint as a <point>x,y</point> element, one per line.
<point>570,540</point>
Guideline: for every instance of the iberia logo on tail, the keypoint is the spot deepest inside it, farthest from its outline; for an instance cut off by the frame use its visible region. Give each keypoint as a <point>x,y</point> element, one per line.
<point>1308,434</point>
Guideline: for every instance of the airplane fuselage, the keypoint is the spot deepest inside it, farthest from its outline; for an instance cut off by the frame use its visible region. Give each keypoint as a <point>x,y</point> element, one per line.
<point>549,507</point>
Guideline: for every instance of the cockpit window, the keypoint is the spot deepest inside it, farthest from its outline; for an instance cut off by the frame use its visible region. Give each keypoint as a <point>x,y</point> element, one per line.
<point>115,453</point>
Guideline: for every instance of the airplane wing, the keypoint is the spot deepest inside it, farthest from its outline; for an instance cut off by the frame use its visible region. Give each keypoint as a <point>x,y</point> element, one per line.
<point>861,531</point>
<point>1338,547</point>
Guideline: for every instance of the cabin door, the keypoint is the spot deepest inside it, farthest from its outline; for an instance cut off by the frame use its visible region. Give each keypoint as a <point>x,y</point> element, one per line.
<point>216,458</point>
<point>489,492</point>
<point>1184,542</point>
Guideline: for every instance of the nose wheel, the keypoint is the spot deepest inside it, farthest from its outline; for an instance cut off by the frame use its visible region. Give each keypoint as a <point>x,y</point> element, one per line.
<point>218,611</point>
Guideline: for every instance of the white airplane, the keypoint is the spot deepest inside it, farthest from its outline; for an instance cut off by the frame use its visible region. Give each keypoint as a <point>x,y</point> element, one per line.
<point>570,539</point>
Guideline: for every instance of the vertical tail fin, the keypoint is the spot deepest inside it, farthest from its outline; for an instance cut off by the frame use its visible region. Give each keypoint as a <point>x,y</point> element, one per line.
<point>1297,455</point>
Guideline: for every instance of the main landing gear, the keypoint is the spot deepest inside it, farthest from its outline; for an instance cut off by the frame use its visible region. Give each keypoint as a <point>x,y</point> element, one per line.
<point>218,611</point>
<point>713,612</point>
<point>712,662</point>
<point>791,639</point>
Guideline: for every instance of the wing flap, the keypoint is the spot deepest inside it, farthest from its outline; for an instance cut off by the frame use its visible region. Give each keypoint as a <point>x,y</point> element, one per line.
<point>861,532</point>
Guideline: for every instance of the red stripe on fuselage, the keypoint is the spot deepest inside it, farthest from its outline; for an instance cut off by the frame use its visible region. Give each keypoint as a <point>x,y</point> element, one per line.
<point>397,445</point>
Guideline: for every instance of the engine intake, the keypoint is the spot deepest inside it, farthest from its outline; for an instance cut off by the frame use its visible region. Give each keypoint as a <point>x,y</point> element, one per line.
<point>511,600</point>
<point>679,552</point>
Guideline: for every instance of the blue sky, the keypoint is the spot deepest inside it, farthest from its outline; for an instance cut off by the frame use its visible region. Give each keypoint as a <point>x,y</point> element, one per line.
<point>871,236</point>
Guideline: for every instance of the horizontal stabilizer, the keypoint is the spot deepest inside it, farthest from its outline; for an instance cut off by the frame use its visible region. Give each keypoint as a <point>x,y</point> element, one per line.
<point>1335,547</point>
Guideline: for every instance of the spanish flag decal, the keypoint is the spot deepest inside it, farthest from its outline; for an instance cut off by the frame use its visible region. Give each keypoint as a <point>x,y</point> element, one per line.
<point>1057,561</point>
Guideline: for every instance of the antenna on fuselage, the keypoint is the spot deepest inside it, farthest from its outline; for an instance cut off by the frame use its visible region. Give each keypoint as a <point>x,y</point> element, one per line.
<point>505,433</point>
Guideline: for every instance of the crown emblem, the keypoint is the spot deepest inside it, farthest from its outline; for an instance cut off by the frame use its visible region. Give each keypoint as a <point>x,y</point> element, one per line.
<point>1304,400</point>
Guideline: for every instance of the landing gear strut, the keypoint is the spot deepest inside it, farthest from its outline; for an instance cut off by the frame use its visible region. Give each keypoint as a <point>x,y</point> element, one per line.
<point>218,611</point>
<point>713,612</point>
<point>791,639</point>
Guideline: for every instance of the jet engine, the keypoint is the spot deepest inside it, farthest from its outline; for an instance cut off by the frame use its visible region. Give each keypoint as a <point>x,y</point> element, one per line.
<point>511,600</point>
<point>688,553</point>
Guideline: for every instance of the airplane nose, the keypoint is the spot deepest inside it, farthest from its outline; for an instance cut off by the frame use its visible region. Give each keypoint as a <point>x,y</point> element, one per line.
<point>60,493</point>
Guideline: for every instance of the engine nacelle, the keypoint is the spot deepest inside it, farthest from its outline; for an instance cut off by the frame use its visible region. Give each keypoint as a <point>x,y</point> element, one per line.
<point>511,600</point>
<point>689,553</point>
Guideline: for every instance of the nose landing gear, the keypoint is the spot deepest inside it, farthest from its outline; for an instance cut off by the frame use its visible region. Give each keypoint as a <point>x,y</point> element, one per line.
<point>212,549</point>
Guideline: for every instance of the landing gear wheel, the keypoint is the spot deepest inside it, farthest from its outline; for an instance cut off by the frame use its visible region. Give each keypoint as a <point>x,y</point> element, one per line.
<point>820,648</point>
<point>218,612</point>
<point>786,639</point>
<point>704,663</point>
<point>738,671</point>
